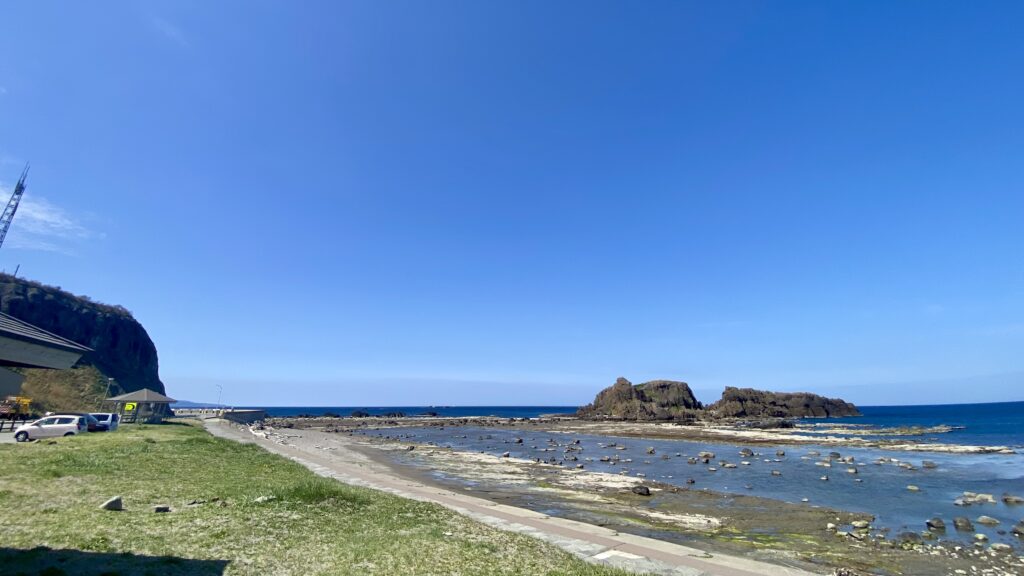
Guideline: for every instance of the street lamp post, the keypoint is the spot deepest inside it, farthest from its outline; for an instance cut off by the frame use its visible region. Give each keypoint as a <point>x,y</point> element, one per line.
<point>220,392</point>
<point>106,394</point>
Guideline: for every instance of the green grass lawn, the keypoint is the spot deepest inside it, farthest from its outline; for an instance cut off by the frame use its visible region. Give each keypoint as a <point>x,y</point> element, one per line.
<point>255,513</point>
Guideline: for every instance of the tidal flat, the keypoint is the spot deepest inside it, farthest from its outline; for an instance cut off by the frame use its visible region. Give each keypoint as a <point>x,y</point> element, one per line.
<point>810,505</point>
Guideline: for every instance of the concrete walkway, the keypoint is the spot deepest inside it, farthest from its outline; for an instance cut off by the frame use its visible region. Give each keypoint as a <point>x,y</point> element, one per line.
<point>592,543</point>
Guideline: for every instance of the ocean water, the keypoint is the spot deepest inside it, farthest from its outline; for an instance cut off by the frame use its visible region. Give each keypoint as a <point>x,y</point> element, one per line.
<point>447,411</point>
<point>997,424</point>
<point>877,489</point>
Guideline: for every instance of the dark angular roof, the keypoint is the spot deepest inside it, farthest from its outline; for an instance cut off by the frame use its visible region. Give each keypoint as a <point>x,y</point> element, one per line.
<point>144,395</point>
<point>14,328</point>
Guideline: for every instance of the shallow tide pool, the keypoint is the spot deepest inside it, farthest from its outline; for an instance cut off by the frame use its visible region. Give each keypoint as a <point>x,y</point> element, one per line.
<point>877,489</point>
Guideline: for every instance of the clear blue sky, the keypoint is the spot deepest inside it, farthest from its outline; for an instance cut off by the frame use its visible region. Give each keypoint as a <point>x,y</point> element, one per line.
<point>356,203</point>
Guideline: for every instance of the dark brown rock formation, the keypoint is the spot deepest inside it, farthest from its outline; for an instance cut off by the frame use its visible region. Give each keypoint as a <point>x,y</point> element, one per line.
<point>121,347</point>
<point>655,400</point>
<point>750,403</point>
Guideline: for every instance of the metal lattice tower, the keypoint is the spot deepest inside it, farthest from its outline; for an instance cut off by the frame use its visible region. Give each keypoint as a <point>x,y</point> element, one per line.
<point>12,205</point>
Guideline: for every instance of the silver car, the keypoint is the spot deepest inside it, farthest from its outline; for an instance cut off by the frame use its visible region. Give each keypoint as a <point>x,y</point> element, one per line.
<point>108,419</point>
<point>50,426</point>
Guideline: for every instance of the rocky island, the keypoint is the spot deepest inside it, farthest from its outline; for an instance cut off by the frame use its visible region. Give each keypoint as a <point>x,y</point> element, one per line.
<point>750,403</point>
<point>655,400</point>
<point>664,400</point>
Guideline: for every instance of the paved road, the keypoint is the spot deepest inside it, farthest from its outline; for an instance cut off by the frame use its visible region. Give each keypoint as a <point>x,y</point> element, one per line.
<point>593,543</point>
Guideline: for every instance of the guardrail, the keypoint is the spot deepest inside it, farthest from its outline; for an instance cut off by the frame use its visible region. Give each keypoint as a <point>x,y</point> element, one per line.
<point>9,424</point>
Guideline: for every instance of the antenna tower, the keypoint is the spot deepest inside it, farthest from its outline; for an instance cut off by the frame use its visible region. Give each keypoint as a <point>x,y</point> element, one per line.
<point>12,205</point>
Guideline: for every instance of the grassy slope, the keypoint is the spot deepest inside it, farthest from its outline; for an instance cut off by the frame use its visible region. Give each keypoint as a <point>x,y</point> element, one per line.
<point>79,390</point>
<point>52,489</point>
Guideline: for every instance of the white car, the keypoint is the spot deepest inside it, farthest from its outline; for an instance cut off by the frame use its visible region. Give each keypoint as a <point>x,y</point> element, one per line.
<point>111,420</point>
<point>51,426</point>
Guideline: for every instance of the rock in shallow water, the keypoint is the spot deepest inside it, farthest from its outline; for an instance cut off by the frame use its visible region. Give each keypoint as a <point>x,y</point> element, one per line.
<point>963,524</point>
<point>641,490</point>
<point>987,520</point>
<point>935,524</point>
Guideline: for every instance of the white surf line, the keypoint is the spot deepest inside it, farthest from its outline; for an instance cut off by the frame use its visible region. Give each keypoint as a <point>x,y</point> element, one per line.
<point>592,543</point>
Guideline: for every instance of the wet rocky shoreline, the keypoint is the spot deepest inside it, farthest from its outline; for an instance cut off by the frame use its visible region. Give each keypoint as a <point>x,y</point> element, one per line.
<point>564,481</point>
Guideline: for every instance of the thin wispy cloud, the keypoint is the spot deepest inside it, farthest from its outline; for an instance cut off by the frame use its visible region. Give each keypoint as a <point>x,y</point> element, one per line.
<point>42,225</point>
<point>170,31</point>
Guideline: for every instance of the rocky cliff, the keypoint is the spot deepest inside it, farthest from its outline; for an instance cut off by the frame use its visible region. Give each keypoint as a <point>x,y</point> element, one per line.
<point>750,403</point>
<point>655,400</point>
<point>122,348</point>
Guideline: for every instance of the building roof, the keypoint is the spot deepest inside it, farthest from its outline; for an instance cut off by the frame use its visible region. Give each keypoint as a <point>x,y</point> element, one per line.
<point>144,395</point>
<point>14,328</point>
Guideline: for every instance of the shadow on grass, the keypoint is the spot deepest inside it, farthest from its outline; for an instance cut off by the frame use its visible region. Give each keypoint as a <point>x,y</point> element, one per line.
<point>44,561</point>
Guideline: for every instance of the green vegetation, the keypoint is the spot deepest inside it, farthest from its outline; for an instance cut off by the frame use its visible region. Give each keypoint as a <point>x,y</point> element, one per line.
<point>236,509</point>
<point>80,389</point>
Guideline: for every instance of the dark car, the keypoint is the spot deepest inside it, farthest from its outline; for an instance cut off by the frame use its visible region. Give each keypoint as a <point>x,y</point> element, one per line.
<point>93,424</point>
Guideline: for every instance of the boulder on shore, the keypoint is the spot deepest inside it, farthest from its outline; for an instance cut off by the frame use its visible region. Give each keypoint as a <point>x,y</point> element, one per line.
<point>115,503</point>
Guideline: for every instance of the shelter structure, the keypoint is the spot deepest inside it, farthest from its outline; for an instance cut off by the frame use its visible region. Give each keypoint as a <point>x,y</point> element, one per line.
<point>144,405</point>
<point>23,345</point>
